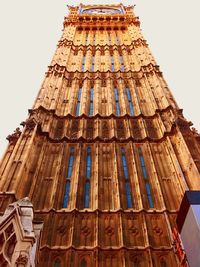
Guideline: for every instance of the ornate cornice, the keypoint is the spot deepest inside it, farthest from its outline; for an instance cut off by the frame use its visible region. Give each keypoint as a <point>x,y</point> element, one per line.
<point>99,116</point>
<point>85,21</point>
<point>113,139</point>
<point>58,70</point>
<point>133,44</point>
<point>107,248</point>
<point>98,211</point>
<point>12,138</point>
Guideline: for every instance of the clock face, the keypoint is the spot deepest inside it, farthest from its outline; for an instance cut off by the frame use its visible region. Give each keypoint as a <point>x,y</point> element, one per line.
<point>101,11</point>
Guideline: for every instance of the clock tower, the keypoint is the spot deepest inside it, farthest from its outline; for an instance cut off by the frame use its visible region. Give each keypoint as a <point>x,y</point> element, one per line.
<point>105,155</point>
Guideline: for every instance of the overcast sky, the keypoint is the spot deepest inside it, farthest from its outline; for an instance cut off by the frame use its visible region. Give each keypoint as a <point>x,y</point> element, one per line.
<point>30,31</point>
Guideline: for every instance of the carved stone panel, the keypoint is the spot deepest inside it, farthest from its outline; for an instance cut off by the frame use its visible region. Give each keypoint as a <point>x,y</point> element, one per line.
<point>59,129</point>
<point>105,129</point>
<point>89,129</point>
<point>57,230</point>
<point>137,258</point>
<point>151,128</point>
<point>120,129</point>
<point>110,258</point>
<point>74,129</point>
<point>158,231</point>
<point>136,129</point>
<point>84,230</point>
<point>163,258</point>
<point>133,230</point>
<point>109,233</point>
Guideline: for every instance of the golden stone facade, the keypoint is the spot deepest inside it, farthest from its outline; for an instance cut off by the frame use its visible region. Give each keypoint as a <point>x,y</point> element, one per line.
<point>106,155</point>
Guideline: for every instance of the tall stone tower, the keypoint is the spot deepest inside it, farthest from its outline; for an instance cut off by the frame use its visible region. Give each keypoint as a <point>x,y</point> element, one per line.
<point>105,155</point>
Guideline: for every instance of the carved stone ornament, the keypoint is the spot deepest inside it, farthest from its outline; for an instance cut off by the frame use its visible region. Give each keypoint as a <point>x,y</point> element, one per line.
<point>22,260</point>
<point>30,123</point>
<point>157,230</point>
<point>195,132</point>
<point>62,229</point>
<point>109,230</point>
<point>133,230</point>
<point>12,138</point>
<point>85,230</point>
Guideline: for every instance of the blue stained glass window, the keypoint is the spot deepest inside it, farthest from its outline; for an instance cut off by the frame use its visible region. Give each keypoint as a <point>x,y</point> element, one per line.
<point>144,172</point>
<point>92,63</point>
<point>77,108</point>
<point>86,39</point>
<point>83,64</point>
<point>129,101</point>
<point>117,39</point>
<point>117,102</point>
<point>69,173</point>
<point>116,94</point>
<point>122,63</point>
<point>125,166</point>
<point>127,183</point>
<point>91,101</point>
<point>109,39</point>
<point>66,196</point>
<point>112,63</point>
<point>88,172</point>
<point>131,109</point>
<point>78,101</point>
<point>87,194</point>
<point>128,195</point>
<point>128,94</point>
<point>149,196</point>
<point>70,164</point>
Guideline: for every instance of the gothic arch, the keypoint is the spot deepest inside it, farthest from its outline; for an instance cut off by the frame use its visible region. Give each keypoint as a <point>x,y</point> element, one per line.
<point>83,263</point>
<point>163,262</point>
<point>57,263</point>
<point>136,262</point>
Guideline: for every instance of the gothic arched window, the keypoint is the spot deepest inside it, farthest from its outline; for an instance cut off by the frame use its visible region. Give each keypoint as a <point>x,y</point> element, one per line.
<point>88,174</point>
<point>78,101</point>
<point>122,62</point>
<point>83,63</point>
<point>91,101</point>
<point>83,263</point>
<point>117,39</point>
<point>57,263</point>
<point>69,173</point>
<point>93,63</point>
<point>163,263</point>
<point>86,38</point>
<point>127,182</point>
<point>130,101</point>
<point>109,39</point>
<point>112,63</point>
<point>116,102</point>
<point>146,179</point>
<point>136,263</point>
<point>70,163</point>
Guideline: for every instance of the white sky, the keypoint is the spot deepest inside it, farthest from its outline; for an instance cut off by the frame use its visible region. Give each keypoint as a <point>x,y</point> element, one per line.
<point>30,30</point>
